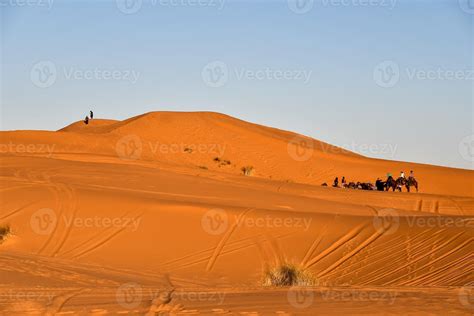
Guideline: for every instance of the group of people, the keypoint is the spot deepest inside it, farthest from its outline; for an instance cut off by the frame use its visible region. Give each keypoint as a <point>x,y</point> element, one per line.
<point>86,120</point>
<point>336,182</point>
<point>379,184</point>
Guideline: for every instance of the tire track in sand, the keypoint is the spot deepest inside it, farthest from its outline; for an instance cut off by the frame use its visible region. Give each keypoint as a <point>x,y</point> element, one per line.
<point>105,240</point>
<point>224,239</point>
<point>336,245</point>
<point>72,208</point>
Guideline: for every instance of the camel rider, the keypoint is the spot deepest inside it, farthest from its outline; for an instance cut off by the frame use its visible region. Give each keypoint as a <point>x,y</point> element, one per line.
<point>389,176</point>
<point>412,175</point>
<point>402,174</point>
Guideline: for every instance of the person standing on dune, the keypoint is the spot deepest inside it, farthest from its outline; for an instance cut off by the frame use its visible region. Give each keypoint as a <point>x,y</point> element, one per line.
<point>336,182</point>
<point>86,120</point>
<point>91,114</point>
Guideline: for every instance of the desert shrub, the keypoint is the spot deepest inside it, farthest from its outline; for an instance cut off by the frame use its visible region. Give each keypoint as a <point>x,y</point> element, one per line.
<point>288,275</point>
<point>221,162</point>
<point>4,232</point>
<point>188,150</point>
<point>247,171</point>
<point>203,167</point>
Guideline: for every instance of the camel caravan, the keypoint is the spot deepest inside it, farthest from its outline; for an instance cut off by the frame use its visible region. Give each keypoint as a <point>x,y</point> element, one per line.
<point>390,183</point>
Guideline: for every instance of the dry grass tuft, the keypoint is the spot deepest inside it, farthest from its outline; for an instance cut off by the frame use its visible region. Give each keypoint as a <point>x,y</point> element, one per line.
<point>247,171</point>
<point>221,162</point>
<point>288,275</point>
<point>4,232</point>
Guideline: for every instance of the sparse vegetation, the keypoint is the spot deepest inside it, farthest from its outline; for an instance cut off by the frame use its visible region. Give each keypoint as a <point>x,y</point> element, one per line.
<point>222,162</point>
<point>203,167</point>
<point>4,232</point>
<point>188,150</point>
<point>288,275</point>
<point>247,171</point>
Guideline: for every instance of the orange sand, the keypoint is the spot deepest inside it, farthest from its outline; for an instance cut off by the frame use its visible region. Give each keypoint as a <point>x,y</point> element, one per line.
<point>106,216</point>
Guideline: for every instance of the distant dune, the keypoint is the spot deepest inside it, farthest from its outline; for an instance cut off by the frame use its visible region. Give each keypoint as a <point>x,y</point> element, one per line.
<point>275,154</point>
<point>159,201</point>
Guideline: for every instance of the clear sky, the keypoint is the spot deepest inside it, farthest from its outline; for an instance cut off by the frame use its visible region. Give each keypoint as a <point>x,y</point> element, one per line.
<point>386,78</point>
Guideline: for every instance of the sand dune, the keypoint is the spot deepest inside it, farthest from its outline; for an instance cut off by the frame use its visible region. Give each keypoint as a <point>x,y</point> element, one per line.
<point>105,216</point>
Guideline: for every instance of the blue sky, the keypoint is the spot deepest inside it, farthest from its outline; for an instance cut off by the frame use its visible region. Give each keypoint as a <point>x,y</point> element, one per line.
<point>387,78</point>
